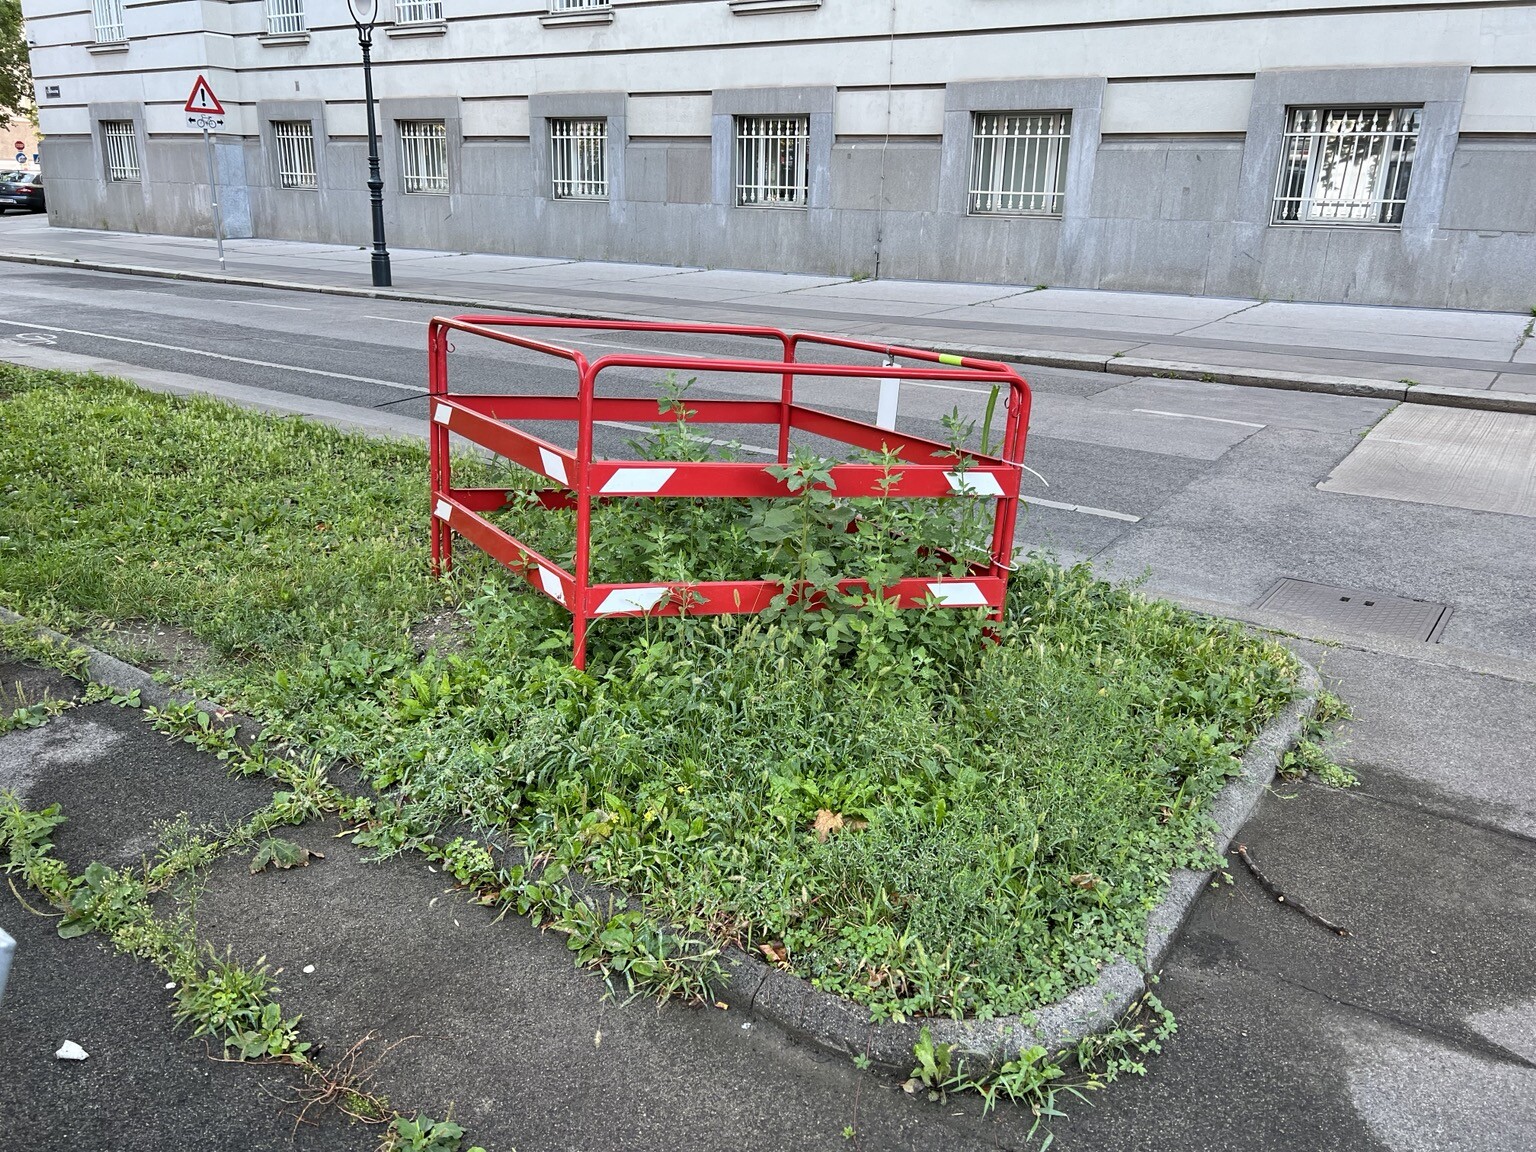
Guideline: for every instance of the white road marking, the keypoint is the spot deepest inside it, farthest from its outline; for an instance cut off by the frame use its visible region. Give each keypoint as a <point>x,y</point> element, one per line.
<point>398,320</point>
<point>218,356</point>
<point>1188,416</point>
<point>1084,509</point>
<point>258,304</point>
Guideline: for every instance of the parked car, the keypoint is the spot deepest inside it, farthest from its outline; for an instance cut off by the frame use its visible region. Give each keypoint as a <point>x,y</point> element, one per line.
<point>22,190</point>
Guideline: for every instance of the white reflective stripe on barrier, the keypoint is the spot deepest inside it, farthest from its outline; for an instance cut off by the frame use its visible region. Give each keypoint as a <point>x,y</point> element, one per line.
<point>961,594</point>
<point>974,483</point>
<point>631,600</point>
<point>554,466</point>
<point>551,583</point>
<point>640,481</point>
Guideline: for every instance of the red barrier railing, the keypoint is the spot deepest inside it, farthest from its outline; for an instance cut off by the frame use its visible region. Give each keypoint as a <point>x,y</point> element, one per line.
<point>929,469</point>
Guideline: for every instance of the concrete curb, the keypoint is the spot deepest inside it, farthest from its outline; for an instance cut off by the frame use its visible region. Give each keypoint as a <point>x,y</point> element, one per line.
<point>1115,365</point>
<point>842,1026</point>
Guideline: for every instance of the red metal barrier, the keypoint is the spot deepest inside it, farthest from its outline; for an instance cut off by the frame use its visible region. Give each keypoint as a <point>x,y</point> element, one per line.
<point>929,469</point>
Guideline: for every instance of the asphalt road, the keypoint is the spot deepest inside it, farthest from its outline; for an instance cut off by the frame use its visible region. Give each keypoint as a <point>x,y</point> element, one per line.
<point>1203,490</point>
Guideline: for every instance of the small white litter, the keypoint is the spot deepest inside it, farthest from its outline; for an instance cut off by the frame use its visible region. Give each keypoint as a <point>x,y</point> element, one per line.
<point>170,985</point>
<point>69,1050</point>
<point>308,968</point>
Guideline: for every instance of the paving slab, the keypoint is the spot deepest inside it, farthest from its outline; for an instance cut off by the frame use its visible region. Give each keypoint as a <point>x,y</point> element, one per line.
<point>1329,321</point>
<point>1450,457</point>
<point>1077,305</point>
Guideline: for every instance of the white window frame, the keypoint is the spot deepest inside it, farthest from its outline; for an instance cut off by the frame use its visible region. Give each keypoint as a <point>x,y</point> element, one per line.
<point>561,7</point>
<point>1018,163</point>
<point>285,17</point>
<point>418,11</point>
<point>1346,166</point>
<point>771,161</point>
<point>578,157</point>
<point>107,16</point>
<point>120,147</point>
<point>423,157</point>
<point>294,144</point>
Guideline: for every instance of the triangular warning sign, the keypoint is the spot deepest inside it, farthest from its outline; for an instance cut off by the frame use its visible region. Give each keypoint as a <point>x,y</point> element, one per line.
<point>203,100</point>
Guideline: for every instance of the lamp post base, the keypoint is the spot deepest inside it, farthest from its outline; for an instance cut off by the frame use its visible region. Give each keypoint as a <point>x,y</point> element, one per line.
<point>381,277</point>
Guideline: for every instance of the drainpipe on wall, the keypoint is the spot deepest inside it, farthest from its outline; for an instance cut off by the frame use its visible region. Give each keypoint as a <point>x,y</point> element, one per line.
<point>890,84</point>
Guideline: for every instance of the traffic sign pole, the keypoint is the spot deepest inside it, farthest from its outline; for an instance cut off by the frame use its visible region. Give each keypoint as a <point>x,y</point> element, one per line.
<point>213,187</point>
<point>204,111</point>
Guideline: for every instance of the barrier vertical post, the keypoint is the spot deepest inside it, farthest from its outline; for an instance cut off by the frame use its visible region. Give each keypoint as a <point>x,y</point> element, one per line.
<point>438,446</point>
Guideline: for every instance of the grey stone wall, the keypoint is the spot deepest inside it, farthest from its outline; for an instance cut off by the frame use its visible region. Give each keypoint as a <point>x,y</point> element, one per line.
<point>1173,214</point>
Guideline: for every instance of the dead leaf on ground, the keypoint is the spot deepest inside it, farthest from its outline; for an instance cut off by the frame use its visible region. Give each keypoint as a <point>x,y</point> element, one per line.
<point>828,822</point>
<point>1087,881</point>
<point>775,951</point>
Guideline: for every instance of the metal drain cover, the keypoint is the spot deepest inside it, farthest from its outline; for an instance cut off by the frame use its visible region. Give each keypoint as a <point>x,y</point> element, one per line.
<point>1358,609</point>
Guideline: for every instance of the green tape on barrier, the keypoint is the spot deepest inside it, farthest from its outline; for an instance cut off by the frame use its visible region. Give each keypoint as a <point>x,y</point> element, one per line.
<point>955,361</point>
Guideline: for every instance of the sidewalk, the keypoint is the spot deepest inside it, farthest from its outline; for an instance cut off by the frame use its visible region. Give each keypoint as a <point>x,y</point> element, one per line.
<point>1467,359</point>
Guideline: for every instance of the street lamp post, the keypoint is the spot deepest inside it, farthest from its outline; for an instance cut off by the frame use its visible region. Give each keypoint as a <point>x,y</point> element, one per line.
<point>364,14</point>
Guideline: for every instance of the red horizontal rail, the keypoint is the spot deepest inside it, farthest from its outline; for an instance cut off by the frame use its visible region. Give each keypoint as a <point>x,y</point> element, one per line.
<point>724,478</point>
<point>728,597</point>
<point>545,575</point>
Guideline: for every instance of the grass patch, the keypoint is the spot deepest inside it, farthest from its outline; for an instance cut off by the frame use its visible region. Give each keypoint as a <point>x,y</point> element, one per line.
<point>895,810</point>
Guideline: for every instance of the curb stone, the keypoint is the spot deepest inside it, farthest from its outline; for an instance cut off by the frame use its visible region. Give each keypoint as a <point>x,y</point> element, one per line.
<point>844,1027</point>
<point>1043,358</point>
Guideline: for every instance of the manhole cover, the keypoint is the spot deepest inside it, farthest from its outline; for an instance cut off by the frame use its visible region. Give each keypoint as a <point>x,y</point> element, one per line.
<point>1358,609</point>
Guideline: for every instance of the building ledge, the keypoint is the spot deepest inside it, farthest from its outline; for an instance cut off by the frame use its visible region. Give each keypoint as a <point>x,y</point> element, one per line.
<point>282,39</point>
<point>109,48</point>
<point>753,7</point>
<point>602,15</point>
<point>425,28</point>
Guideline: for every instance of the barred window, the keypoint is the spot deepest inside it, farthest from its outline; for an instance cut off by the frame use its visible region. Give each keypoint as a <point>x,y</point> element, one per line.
<point>558,6</point>
<point>418,11</point>
<point>1019,162</point>
<point>578,160</point>
<point>1346,166</point>
<point>108,18</point>
<point>285,17</point>
<point>424,155</point>
<point>772,161</point>
<point>295,153</point>
<point>122,149</point>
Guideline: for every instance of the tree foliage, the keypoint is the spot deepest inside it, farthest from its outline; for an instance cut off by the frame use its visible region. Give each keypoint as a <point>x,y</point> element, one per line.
<point>15,64</point>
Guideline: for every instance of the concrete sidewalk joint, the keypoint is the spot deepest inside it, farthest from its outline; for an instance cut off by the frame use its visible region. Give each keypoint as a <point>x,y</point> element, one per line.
<point>1115,365</point>
<point>843,1026</point>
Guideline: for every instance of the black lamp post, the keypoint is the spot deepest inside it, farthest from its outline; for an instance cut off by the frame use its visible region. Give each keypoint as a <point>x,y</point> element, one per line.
<point>364,14</point>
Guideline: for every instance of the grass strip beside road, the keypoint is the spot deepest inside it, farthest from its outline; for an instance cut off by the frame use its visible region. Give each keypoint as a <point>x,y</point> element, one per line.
<point>879,801</point>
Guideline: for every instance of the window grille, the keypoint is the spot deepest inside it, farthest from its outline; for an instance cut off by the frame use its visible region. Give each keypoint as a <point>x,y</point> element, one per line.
<point>424,155</point>
<point>108,17</point>
<point>556,6</point>
<point>418,11</point>
<point>295,153</point>
<point>579,159</point>
<point>122,148</point>
<point>285,17</point>
<point>1346,166</point>
<point>772,161</point>
<point>1019,162</point>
